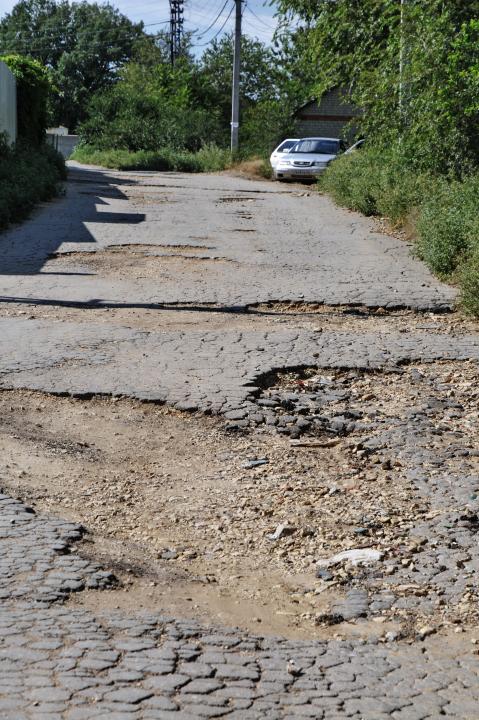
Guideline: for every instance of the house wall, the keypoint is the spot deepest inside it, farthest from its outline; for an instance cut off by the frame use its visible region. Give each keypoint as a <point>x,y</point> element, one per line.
<point>8,103</point>
<point>330,118</point>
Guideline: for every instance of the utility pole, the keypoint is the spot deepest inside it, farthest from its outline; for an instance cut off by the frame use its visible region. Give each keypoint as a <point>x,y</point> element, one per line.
<point>176,29</point>
<point>401,60</point>
<point>235,99</point>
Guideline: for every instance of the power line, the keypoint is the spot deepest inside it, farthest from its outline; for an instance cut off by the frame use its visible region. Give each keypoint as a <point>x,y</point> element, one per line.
<point>219,31</point>
<point>200,37</point>
<point>112,34</point>
<point>270,27</point>
<point>100,43</point>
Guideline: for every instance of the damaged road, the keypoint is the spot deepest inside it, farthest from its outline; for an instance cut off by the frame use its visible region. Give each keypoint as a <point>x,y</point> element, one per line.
<point>239,427</point>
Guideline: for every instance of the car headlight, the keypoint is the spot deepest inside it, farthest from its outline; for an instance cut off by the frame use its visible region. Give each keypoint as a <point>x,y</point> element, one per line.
<point>321,164</point>
<point>284,163</point>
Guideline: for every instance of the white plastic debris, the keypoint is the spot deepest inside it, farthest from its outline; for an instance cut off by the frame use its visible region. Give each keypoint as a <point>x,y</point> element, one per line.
<point>360,556</point>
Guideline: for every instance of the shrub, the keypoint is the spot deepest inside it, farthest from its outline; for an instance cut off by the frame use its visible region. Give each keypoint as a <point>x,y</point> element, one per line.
<point>351,180</point>
<point>448,224</point>
<point>376,182</point>
<point>33,90</point>
<point>27,176</point>
<point>469,284</point>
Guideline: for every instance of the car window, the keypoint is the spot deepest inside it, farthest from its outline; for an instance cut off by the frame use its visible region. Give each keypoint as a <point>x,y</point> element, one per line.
<point>318,147</point>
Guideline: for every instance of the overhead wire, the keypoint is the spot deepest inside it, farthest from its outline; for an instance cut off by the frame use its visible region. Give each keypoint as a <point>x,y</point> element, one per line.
<point>45,42</point>
<point>219,31</point>
<point>203,33</point>
<point>267,25</point>
<point>93,48</point>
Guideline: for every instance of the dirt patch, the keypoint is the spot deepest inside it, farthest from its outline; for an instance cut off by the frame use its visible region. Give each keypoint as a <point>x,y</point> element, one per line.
<point>137,263</point>
<point>149,249</point>
<point>251,169</point>
<point>261,317</point>
<point>155,488</point>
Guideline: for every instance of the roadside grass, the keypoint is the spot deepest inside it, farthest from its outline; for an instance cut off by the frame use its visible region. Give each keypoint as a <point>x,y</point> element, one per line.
<point>254,168</point>
<point>28,176</point>
<point>209,159</point>
<point>443,213</point>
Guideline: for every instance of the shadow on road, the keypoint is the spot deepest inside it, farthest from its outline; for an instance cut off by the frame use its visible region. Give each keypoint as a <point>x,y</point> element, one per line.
<point>25,249</point>
<point>99,304</point>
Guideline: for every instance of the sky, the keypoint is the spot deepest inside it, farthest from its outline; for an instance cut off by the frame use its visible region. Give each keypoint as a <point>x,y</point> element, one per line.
<point>205,17</point>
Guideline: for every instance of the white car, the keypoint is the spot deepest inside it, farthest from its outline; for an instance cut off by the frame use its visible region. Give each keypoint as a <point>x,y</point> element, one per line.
<point>308,158</point>
<point>281,149</point>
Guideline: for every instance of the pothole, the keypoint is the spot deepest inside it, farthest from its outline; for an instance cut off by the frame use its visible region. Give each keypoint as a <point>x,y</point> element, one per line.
<point>232,527</point>
<point>360,311</point>
<point>132,261</point>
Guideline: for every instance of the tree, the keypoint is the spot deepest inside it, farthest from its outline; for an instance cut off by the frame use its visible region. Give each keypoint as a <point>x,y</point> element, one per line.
<point>150,107</point>
<point>411,66</point>
<point>83,44</point>
<point>33,92</point>
<point>265,101</point>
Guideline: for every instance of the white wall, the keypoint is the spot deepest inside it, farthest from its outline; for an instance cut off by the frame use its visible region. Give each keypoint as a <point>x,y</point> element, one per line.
<point>8,103</point>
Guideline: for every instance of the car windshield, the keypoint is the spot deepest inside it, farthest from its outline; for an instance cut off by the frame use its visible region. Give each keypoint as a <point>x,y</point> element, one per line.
<point>317,147</point>
<point>286,145</point>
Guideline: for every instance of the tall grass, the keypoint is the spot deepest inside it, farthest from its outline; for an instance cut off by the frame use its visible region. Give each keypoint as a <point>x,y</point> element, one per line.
<point>209,159</point>
<point>443,212</point>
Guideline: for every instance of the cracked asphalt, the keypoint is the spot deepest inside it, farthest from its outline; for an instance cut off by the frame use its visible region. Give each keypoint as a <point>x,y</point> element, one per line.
<point>200,293</point>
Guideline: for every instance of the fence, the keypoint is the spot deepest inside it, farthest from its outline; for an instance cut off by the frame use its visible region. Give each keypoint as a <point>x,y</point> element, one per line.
<point>8,103</point>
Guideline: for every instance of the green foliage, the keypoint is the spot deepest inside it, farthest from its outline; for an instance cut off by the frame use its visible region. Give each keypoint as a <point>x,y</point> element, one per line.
<point>469,283</point>
<point>412,67</point>
<point>209,159</point>
<point>27,176</point>
<point>33,90</point>
<point>268,94</point>
<point>448,224</point>
<point>84,44</point>
<point>264,125</point>
<point>376,182</point>
<point>153,106</point>
<point>149,108</point>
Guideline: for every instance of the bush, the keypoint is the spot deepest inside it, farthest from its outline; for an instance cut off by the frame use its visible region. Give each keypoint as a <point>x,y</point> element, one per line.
<point>448,224</point>
<point>33,90</point>
<point>27,176</point>
<point>376,182</point>
<point>209,159</point>
<point>469,284</point>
